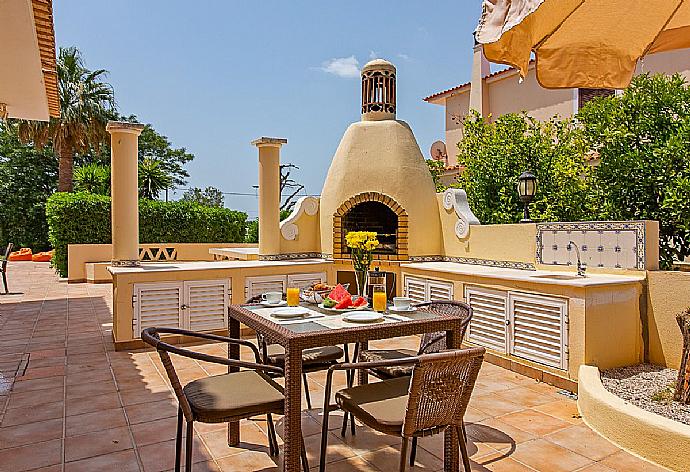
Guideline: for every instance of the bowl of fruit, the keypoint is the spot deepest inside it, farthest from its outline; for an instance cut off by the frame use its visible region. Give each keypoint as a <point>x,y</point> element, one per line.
<point>339,299</point>
<point>318,292</point>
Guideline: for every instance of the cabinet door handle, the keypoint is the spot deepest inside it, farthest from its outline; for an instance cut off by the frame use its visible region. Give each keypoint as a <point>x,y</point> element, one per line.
<point>507,322</point>
<point>184,307</point>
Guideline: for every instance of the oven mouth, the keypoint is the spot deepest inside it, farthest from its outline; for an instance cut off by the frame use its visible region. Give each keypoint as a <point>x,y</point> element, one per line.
<point>375,217</point>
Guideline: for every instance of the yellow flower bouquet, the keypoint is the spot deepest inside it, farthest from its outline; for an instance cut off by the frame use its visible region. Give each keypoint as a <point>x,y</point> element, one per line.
<point>362,245</point>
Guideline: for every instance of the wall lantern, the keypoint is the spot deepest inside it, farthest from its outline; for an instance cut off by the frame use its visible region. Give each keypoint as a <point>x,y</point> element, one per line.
<point>526,187</point>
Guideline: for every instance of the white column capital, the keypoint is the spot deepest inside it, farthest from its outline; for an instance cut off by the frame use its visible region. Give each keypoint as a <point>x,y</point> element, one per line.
<point>124,127</point>
<point>272,142</point>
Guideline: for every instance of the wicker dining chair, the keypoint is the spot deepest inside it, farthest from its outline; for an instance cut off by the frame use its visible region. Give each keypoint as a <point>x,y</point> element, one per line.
<point>220,398</point>
<point>3,265</point>
<point>430,343</point>
<point>431,400</point>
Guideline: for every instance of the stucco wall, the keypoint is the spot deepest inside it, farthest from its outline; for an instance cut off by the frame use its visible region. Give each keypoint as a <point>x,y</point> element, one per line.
<point>457,108</point>
<point>514,242</point>
<point>668,294</point>
<point>308,238</point>
<point>666,63</point>
<point>507,95</point>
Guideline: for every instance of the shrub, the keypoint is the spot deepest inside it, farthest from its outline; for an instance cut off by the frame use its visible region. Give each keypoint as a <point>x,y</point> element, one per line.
<point>643,139</point>
<point>495,154</point>
<point>84,218</point>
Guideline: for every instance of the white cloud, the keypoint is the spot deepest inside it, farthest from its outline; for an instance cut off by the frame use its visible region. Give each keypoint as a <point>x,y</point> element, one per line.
<point>404,56</point>
<point>347,67</point>
<point>373,55</point>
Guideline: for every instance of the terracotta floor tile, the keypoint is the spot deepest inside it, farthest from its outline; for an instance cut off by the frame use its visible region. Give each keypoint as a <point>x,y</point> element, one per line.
<point>32,414</point>
<point>88,390</point>
<point>97,443</point>
<point>497,434</point>
<point>336,451</point>
<point>152,432</point>
<point>388,458</point>
<point>565,410</point>
<point>494,405</point>
<point>252,438</point>
<point>76,406</point>
<point>624,462</point>
<point>122,461</point>
<point>597,467</point>
<point>144,412</point>
<point>584,441</point>
<point>145,395</point>
<point>525,396</point>
<point>434,445</point>
<point>161,456</point>
<point>94,421</point>
<point>499,462</point>
<point>534,422</point>
<point>29,433</point>
<point>546,456</point>
<point>50,383</point>
<point>247,460</point>
<point>31,457</point>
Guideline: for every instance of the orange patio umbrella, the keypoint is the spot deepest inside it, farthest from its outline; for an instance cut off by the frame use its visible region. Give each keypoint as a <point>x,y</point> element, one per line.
<point>581,43</point>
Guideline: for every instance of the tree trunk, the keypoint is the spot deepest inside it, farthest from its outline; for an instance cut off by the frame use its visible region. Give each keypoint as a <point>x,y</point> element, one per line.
<point>682,393</point>
<point>65,169</point>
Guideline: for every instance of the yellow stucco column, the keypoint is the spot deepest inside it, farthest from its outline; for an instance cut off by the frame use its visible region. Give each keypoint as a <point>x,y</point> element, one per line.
<point>124,162</point>
<point>269,194</point>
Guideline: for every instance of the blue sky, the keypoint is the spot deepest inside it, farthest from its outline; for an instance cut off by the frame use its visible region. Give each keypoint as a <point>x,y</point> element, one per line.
<point>214,75</point>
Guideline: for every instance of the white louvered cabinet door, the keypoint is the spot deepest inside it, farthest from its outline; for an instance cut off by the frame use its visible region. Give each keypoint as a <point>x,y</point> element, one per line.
<point>538,329</point>
<point>415,289</point>
<point>206,304</point>
<point>254,286</point>
<point>489,318</point>
<point>157,305</point>
<point>306,280</point>
<point>439,291</point>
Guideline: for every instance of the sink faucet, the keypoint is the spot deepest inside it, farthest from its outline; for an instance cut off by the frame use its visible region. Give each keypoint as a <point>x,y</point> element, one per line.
<point>580,268</point>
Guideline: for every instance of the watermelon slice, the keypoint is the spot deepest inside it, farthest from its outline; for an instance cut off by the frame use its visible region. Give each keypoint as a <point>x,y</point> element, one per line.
<point>361,301</point>
<point>339,293</point>
<point>344,303</point>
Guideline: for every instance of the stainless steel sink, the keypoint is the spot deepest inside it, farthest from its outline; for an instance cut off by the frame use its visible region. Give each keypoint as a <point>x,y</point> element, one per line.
<point>557,276</point>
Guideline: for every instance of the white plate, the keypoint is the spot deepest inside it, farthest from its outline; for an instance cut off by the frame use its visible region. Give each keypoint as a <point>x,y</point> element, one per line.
<point>363,317</point>
<point>272,305</point>
<point>342,310</point>
<point>402,310</point>
<point>290,312</point>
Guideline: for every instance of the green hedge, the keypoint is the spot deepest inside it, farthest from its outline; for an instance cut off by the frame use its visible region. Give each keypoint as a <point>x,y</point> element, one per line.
<point>84,218</point>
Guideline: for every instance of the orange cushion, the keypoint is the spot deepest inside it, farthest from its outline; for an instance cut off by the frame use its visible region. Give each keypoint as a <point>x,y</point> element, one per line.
<point>24,254</point>
<point>42,256</point>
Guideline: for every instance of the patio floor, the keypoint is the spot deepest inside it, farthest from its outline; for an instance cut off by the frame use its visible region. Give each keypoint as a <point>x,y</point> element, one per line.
<point>77,405</point>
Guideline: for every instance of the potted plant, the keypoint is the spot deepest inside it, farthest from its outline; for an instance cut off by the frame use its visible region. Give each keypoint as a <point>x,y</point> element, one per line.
<point>362,245</point>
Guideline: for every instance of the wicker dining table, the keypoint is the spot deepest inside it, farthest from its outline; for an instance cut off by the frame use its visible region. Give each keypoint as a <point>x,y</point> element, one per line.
<point>324,329</point>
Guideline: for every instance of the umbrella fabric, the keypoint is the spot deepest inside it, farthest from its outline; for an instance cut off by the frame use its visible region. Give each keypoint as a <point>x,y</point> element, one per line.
<point>581,43</point>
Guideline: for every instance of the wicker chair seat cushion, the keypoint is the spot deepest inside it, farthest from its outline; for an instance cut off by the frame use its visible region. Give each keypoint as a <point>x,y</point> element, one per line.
<point>236,395</point>
<point>379,405</point>
<point>311,356</point>
<point>375,355</point>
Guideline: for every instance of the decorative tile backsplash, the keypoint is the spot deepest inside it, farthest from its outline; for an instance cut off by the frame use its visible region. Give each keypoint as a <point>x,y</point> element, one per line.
<point>609,244</point>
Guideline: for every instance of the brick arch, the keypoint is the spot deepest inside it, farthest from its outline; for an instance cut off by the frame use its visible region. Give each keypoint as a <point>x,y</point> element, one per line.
<point>401,233</point>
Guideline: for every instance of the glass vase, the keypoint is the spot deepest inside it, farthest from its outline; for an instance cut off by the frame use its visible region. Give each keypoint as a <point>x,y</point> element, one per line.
<point>361,278</point>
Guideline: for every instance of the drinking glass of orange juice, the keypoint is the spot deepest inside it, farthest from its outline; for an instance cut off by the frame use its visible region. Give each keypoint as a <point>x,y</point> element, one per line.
<point>293,295</point>
<point>378,297</point>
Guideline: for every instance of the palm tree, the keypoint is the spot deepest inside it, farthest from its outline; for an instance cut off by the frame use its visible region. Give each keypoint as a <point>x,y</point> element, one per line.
<point>153,179</point>
<point>86,105</point>
<point>92,178</point>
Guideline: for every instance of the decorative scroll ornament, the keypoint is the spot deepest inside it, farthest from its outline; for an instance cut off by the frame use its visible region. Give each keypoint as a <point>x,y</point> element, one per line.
<point>288,227</point>
<point>456,199</point>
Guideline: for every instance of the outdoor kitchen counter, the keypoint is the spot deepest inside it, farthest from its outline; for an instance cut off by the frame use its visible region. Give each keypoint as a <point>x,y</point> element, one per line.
<point>147,267</point>
<point>567,278</point>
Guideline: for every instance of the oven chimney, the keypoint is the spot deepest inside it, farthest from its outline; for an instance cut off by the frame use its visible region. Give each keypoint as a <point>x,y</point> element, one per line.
<point>269,194</point>
<point>378,91</point>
